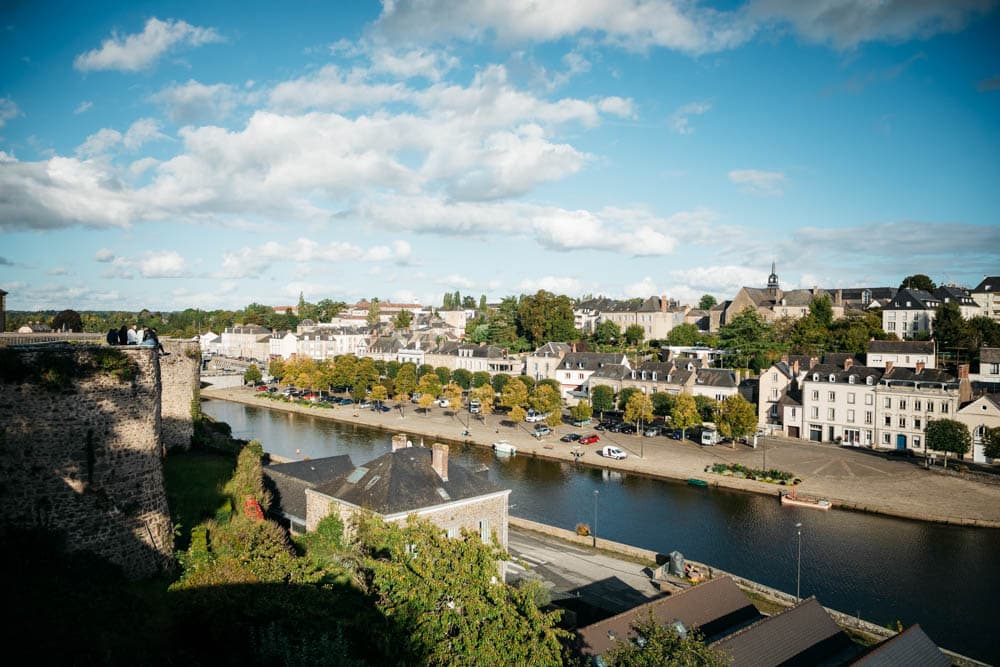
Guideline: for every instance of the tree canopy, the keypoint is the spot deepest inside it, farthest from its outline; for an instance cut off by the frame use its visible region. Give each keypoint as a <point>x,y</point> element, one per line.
<point>706,302</point>
<point>949,436</point>
<point>736,417</point>
<point>602,398</point>
<point>662,645</point>
<point>684,414</point>
<point>918,281</point>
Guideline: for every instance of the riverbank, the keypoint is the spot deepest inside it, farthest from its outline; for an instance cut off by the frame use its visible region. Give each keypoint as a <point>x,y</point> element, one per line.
<point>850,479</point>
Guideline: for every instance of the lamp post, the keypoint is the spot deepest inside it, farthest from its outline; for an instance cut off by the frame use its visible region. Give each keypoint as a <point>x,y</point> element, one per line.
<point>594,533</point>
<point>798,567</point>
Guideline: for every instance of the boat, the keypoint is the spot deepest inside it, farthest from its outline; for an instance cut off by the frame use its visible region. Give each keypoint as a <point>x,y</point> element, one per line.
<point>694,481</point>
<point>504,447</point>
<point>797,501</point>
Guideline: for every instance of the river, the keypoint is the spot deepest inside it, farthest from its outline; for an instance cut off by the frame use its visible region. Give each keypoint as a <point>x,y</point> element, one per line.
<point>884,569</point>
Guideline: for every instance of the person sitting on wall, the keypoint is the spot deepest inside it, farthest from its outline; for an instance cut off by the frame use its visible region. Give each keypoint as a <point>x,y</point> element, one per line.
<point>131,336</point>
<point>150,339</point>
<point>112,336</point>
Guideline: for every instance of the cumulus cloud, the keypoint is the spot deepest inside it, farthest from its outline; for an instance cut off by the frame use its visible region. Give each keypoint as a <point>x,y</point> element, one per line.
<point>195,101</point>
<point>431,65</point>
<point>104,255</point>
<point>757,182</point>
<point>554,284</point>
<point>617,106</point>
<point>455,280</point>
<point>8,110</point>
<point>248,261</point>
<point>680,120</point>
<point>83,107</point>
<point>138,51</point>
<point>104,140</point>
<point>163,264</point>
<point>721,279</point>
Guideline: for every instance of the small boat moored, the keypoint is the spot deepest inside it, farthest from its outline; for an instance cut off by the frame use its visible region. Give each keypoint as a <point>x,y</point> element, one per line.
<point>796,501</point>
<point>694,481</point>
<point>504,447</point>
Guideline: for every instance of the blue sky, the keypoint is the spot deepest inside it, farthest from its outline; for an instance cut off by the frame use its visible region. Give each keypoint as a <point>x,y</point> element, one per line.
<point>171,155</point>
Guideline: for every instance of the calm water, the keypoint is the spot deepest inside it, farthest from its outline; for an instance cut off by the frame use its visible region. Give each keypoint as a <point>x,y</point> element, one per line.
<point>946,578</point>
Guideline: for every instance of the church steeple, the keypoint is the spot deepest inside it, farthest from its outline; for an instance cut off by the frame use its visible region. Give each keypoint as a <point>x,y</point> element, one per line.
<point>772,281</point>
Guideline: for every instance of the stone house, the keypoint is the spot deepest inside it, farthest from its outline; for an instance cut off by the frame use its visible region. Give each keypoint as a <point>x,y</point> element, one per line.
<point>716,383</point>
<point>901,353</point>
<point>988,377</point>
<point>288,482</point>
<point>246,342</point>
<point>474,358</point>
<point>839,402</point>
<point>907,399</point>
<point>657,315</point>
<point>576,368</point>
<point>960,296</point>
<point>773,303</point>
<point>783,377</point>
<point>979,415</point>
<point>542,363</point>
<point>910,313</point>
<point>283,345</point>
<point>985,294</point>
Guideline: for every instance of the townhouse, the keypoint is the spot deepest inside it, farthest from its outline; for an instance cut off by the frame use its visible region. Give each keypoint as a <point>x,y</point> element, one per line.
<point>246,342</point>
<point>910,313</point>
<point>838,404</point>
<point>985,294</point>
<point>657,315</point>
<point>960,296</point>
<point>901,354</point>
<point>575,369</point>
<point>543,362</point>
<point>978,416</point>
<point>907,399</point>
<point>781,379</point>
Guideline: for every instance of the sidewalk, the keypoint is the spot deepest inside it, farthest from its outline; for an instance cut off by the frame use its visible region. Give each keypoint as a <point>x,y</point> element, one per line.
<point>848,478</point>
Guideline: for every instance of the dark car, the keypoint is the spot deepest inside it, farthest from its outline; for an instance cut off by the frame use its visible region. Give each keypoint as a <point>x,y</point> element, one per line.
<point>899,453</point>
<point>345,401</point>
<point>601,426</point>
<point>570,437</point>
<point>674,434</point>
<point>589,439</point>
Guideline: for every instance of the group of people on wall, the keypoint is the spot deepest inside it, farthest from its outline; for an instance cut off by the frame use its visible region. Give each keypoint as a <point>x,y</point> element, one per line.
<point>135,336</point>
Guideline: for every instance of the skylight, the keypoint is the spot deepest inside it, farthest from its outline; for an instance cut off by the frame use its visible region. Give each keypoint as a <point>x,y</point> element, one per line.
<point>356,476</point>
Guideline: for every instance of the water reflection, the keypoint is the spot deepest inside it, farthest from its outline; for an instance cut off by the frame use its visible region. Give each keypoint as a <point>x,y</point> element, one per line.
<point>884,569</point>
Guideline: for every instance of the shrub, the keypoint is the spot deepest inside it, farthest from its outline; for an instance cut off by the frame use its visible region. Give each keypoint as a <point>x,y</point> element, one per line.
<point>583,529</point>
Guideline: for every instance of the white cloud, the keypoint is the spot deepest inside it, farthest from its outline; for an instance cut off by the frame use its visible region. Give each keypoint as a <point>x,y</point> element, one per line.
<point>248,261</point>
<point>723,279</point>
<point>554,284</point>
<point>83,107</point>
<point>138,51</point>
<point>455,280</point>
<point>57,271</point>
<point>680,120</point>
<point>617,106</point>
<point>163,264</point>
<point>8,110</point>
<point>333,88</point>
<point>104,140</point>
<point>431,65</point>
<point>757,182</point>
<point>643,288</point>
<point>141,132</point>
<point>100,142</point>
<point>195,101</point>
<point>104,255</point>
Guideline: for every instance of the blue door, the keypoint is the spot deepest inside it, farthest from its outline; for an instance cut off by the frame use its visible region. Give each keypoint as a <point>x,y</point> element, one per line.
<point>900,442</point>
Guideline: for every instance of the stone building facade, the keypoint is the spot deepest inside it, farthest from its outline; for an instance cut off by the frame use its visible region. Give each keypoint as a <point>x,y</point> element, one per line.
<point>179,380</point>
<point>80,450</point>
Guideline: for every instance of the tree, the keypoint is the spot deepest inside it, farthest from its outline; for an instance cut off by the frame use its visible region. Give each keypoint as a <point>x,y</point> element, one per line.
<point>661,644</point>
<point>736,418</point>
<point>809,336</point>
<point>499,381</point>
<point>602,397</point>
<point>379,394</point>
<point>951,331</point>
<point>707,301</point>
<point>546,317</point>
<point>514,395</point>
<point>526,380</point>
<point>624,395</point>
<point>748,337</point>
<point>663,403</point>
<point>67,319</point>
<point>581,412</point>
<point>546,399</point>
<point>429,385</point>
<point>822,309</point>
<point>252,375</point>
<point>374,313</point>
<point>685,414</point>
<point>276,368</point>
<point>918,281</point>
<point>991,442</point>
<point>634,333</point>
<point>606,332</point>
<point>706,407</point>
<point>638,409</point>
<point>486,397</point>
<point>462,378</point>
<point>345,371</point>
<point>683,335</point>
<point>445,598</point>
<point>444,374</point>
<point>402,320</point>
<point>453,393</point>
<point>424,369</point>
<point>480,378</point>
<point>948,436</point>
<point>406,379</point>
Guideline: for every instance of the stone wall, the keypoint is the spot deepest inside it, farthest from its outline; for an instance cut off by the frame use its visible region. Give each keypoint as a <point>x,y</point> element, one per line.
<point>179,378</point>
<point>80,450</point>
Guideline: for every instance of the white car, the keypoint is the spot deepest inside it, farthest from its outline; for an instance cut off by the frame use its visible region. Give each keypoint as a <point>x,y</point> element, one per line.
<point>612,452</point>
<point>533,416</point>
<point>442,402</point>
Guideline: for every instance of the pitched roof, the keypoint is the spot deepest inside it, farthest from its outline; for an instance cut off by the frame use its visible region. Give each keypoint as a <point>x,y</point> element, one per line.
<point>901,347</point>
<point>935,375</point>
<point>715,607</point>
<point>913,299</point>
<point>589,361</point>
<point>716,377</point>
<point>989,355</point>
<point>804,633</point>
<point>912,646</point>
<point>288,481</point>
<point>839,358</point>
<point>403,481</point>
<point>954,293</point>
<point>552,350</point>
<point>989,284</point>
<point>859,372</point>
<point>612,372</point>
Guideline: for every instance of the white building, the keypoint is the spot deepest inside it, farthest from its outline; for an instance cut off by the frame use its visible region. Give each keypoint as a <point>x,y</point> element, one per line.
<point>283,345</point>
<point>910,313</point>
<point>543,362</point>
<point>839,403</point>
<point>246,342</point>
<point>901,354</point>
<point>979,415</point>
<point>907,399</point>
<point>985,294</point>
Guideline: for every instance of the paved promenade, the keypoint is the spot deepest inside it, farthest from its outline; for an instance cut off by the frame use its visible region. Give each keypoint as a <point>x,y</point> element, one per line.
<point>849,478</point>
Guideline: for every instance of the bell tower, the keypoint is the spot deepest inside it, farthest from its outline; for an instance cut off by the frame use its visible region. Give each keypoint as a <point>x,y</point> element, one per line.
<point>772,282</point>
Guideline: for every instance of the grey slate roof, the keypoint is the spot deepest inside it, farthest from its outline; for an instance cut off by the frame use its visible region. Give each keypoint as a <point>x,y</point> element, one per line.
<point>404,481</point>
<point>989,284</point>
<point>288,481</point>
<point>588,361</point>
<point>901,347</point>
<point>916,298</point>
<point>859,372</point>
<point>839,358</point>
<point>553,350</point>
<point>716,377</point>
<point>952,293</point>
<point>716,606</point>
<point>612,372</point>
<point>936,375</point>
<point>910,647</point>
<point>804,634</point>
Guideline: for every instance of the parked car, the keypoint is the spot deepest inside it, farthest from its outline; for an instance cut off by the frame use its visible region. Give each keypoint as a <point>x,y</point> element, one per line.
<point>674,434</point>
<point>380,408</point>
<point>627,429</point>
<point>580,422</point>
<point>601,426</point>
<point>534,416</point>
<point>272,390</point>
<point>651,431</point>
<point>442,402</point>
<point>570,437</point>
<point>262,389</point>
<point>475,407</point>
<point>542,429</point>
<point>613,452</point>
<point>590,439</point>
<point>899,453</point>
<point>345,401</point>
<point>364,405</point>
<point>416,397</point>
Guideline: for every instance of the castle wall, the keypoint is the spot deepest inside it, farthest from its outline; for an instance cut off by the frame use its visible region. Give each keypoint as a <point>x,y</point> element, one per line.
<point>179,378</point>
<point>80,450</point>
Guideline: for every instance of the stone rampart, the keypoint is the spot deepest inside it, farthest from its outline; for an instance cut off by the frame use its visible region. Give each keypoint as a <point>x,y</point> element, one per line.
<point>80,450</point>
<point>179,378</point>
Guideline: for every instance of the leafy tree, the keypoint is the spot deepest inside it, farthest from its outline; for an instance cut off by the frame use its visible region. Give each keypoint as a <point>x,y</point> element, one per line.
<point>918,281</point>
<point>345,371</point>
<point>991,442</point>
<point>546,317</point>
<point>276,367</point>
<point>552,383</point>
<point>634,333</point>
<point>328,309</point>
<point>822,309</point>
<point>359,391</point>
<point>638,409</point>
<point>444,374</point>
<point>379,394</point>
<point>453,393</point>
<point>514,395</point>
<point>426,400</point>
<point>462,378</point>
<point>707,301</point>
<point>424,369</point>
<point>480,333</point>
<point>606,332</point>
<point>468,302</point>
<point>948,436</point>
<point>391,368</point>
<point>546,399</point>
<point>663,403</point>
<point>951,331</point>
<point>406,379</point>
<point>736,418</point>
<point>429,385</point>
<point>706,407</point>
<point>365,372</point>
<point>602,397</point>
<point>374,313</point>
<point>402,320</point>
<point>661,645</point>
<point>526,380</point>
<point>625,394</point>
<point>810,336</point>
<point>581,411</point>
<point>486,397</point>
<point>517,414</point>
<point>67,319</point>
<point>444,596</point>
<point>252,375</point>
<point>480,378</point>
<point>748,337</point>
<point>683,335</point>
<point>499,381</point>
<point>685,414</point>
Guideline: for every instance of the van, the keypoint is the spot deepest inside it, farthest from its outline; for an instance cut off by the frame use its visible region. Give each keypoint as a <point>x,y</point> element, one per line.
<point>612,452</point>
<point>709,436</point>
<point>474,407</point>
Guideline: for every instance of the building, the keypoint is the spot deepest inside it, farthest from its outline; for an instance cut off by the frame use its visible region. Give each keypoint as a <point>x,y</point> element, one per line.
<point>838,404</point>
<point>773,302</point>
<point>542,363</point>
<point>716,383</point>
<point>283,345</point>
<point>988,377</point>
<point>960,296</point>
<point>415,481</point>
<point>912,646</point>
<point>985,294</point>
<point>782,378</point>
<point>34,327</point>
<point>901,353</point>
<point>657,315</point>
<point>907,399</point>
<point>576,368</point>
<point>246,342</point>
<point>910,313</point>
<point>473,358</point>
<point>387,310</point>
<point>981,414</point>
<point>288,482</point>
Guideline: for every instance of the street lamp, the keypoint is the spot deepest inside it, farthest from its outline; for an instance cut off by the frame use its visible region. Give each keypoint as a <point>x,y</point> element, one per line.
<point>798,567</point>
<point>594,533</point>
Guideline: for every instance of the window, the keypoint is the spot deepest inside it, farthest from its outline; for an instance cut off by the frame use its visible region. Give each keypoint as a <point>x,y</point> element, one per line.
<point>850,416</point>
<point>829,414</point>
<point>944,407</point>
<point>916,423</point>
<point>814,412</point>
<point>885,438</point>
<point>850,398</point>
<point>774,394</point>
<point>831,396</point>
<point>902,422</point>
<point>930,406</point>
<point>892,325</point>
<point>916,405</point>
<point>832,378</point>
<point>852,379</point>
<point>869,380</point>
<point>902,404</point>
<point>888,402</point>
<point>869,399</point>
<point>452,533</point>
<point>994,369</point>
<point>484,531</point>
<point>868,417</point>
<point>888,420</point>
<point>815,395</point>
<point>916,442</point>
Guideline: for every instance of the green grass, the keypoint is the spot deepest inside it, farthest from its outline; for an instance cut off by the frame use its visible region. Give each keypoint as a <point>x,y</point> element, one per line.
<point>194,483</point>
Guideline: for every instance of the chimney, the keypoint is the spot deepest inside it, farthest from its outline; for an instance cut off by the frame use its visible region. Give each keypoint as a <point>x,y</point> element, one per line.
<point>439,461</point>
<point>964,386</point>
<point>848,362</point>
<point>839,297</point>
<point>888,366</point>
<point>795,367</point>
<point>399,441</point>
<point>963,371</point>
<point>663,303</point>
<point>574,347</point>
<point>920,366</point>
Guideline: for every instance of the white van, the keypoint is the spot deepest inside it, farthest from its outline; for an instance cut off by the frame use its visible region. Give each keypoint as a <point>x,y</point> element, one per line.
<point>533,416</point>
<point>710,436</point>
<point>613,452</point>
<point>474,407</point>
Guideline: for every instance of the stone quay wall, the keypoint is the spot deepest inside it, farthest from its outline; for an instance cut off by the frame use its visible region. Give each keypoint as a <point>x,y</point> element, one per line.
<point>179,378</point>
<point>80,450</point>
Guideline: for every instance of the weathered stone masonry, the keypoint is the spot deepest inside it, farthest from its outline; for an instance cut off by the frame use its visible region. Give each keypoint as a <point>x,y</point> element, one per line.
<point>179,378</point>
<point>81,455</point>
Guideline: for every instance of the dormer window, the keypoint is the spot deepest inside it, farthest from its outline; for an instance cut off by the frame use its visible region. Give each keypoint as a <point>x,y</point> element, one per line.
<point>833,378</point>
<point>851,379</point>
<point>815,377</point>
<point>869,380</point>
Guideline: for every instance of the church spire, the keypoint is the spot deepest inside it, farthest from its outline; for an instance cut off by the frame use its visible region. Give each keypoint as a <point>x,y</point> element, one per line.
<point>772,280</point>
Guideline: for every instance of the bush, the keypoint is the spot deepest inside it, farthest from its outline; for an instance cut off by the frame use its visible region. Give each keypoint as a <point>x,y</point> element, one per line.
<point>583,529</point>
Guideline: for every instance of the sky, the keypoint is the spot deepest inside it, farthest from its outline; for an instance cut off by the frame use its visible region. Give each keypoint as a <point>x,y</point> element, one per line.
<point>171,155</point>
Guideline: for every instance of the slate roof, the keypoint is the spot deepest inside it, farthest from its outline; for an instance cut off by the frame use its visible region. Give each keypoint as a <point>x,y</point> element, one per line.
<point>553,350</point>
<point>804,634</point>
<point>859,372</point>
<point>900,374</point>
<point>989,355</point>
<point>648,305</point>
<point>613,372</point>
<point>716,377</point>
<point>952,293</point>
<point>901,347</point>
<point>917,299</point>
<point>787,400</point>
<point>404,481</point>
<point>989,284</point>
<point>839,358</point>
<point>588,361</point>
<point>288,481</point>
<point>716,607</point>
<point>912,646</point>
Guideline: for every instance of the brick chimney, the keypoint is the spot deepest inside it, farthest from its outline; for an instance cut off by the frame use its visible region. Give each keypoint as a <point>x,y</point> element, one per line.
<point>399,441</point>
<point>574,347</point>
<point>848,362</point>
<point>964,386</point>
<point>663,303</point>
<point>888,366</point>
<point>439,461</point>
<point>920,366</point>
<point>795,367</point>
